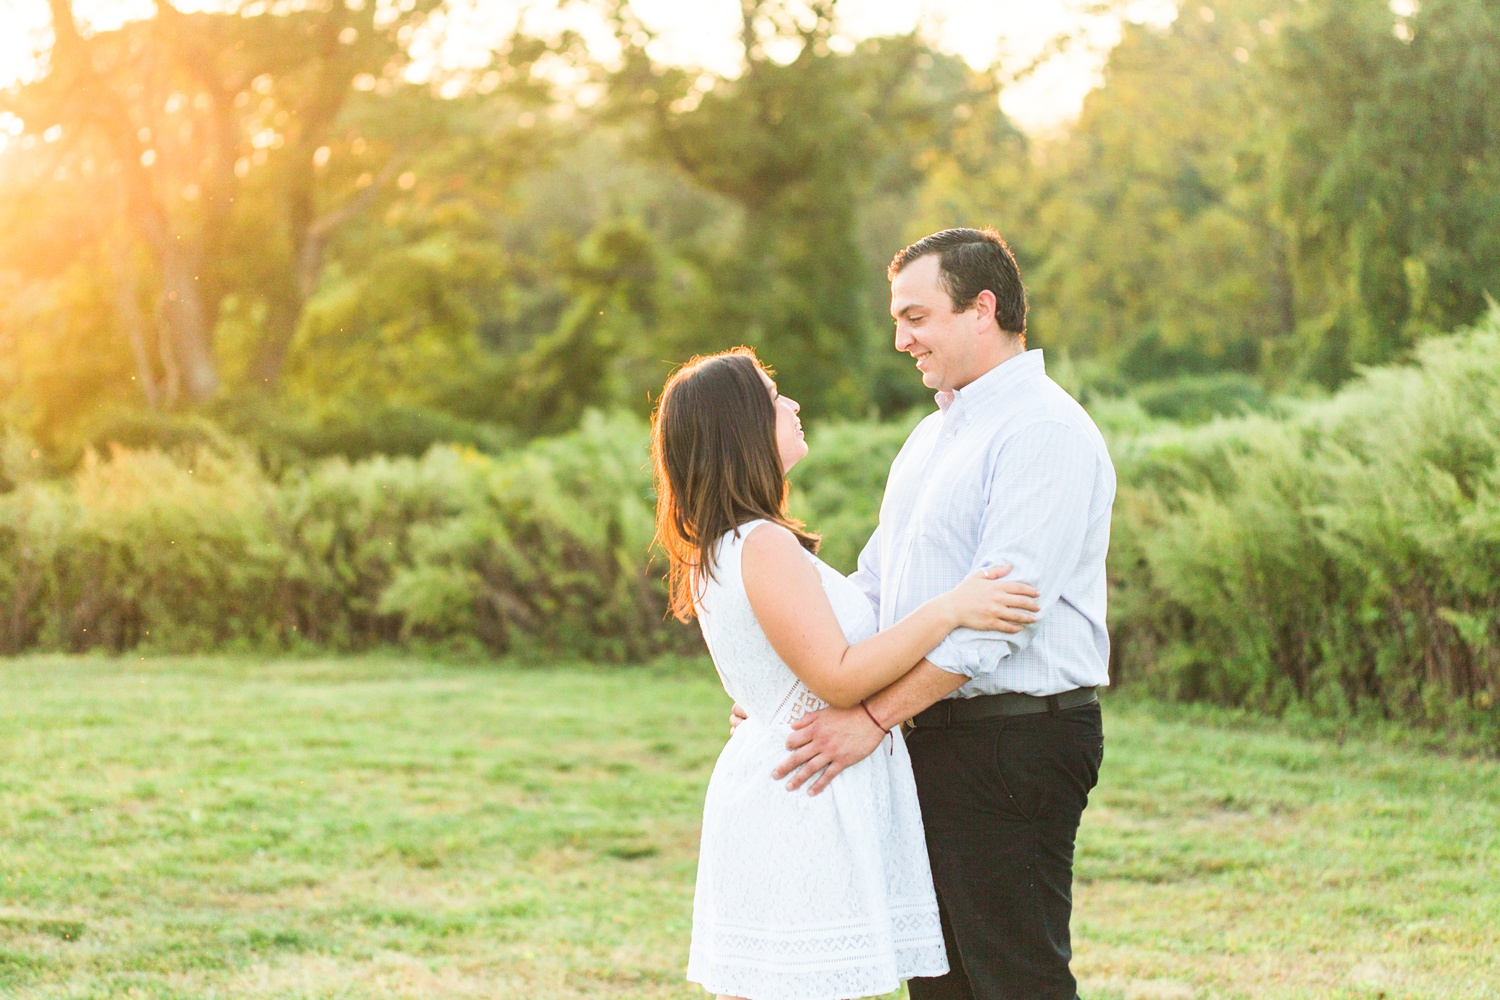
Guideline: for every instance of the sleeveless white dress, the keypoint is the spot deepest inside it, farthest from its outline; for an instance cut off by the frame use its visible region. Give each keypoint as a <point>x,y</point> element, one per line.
<point>803,897</point>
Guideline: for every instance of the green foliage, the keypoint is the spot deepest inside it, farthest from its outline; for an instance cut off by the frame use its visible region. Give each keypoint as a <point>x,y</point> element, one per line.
<point>1290,189</point>
<point>1343,557</point>
<point>345,428</point>
<point>1346,557</point>
<point>59,364</point>
<point>552,552</point>
<point>1261,193</point>
<point>1194,399</point>
<point>262,209</point>
<point>837,487</point>
<point>612,283</point>
<point>1387,167</point>
<point>1147,222</point>
<point>140,549</point>
<point>544,548</point>
<point>812,150</point>
<point>402,331</point>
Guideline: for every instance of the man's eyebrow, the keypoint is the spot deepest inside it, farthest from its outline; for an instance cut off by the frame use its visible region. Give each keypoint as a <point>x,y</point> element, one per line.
<point>905,309</point>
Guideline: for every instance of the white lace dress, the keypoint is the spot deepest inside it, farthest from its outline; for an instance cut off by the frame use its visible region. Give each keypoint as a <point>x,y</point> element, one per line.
<point>803,897</point>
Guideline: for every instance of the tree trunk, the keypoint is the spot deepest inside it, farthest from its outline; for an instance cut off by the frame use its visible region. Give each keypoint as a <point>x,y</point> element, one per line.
<point>183,310</point>
<point>192,340</point>
<point>135,325</point>
<point>310,233</point>
<point>281,326</point>
<point>309,243</point>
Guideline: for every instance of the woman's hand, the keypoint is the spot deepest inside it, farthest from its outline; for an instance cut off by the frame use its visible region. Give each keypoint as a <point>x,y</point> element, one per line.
<point>988,603</point>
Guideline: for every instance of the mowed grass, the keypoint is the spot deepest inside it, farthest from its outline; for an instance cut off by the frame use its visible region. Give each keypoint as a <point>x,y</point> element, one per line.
<point>387,827</point>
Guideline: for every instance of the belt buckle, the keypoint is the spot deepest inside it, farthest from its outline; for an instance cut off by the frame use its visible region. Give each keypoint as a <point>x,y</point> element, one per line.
<point>939,714</point>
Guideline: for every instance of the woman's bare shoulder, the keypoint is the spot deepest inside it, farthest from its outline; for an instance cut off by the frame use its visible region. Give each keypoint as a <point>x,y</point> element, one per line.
<point>770,541</point>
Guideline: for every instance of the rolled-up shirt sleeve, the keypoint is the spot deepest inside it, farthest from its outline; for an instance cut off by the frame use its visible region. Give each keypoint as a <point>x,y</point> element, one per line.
<point>1035,519</point>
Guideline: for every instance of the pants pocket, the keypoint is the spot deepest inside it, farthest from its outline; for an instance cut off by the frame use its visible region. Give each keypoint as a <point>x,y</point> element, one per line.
<point>1016,766</point>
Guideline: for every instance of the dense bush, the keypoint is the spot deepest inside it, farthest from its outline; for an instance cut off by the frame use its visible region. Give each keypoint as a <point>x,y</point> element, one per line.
<point>1194,399</point>
<point>543,549</point>
<point>548,550</point>
<point>139,549</point>
<point>838,486</point>
<point>1344,557</point>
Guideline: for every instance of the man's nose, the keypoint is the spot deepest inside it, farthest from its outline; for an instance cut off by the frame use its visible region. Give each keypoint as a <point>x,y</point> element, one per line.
<point>904,338</point>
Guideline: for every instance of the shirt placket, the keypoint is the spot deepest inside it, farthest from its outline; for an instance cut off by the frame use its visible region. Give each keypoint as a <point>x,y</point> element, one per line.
<point>947,433</point>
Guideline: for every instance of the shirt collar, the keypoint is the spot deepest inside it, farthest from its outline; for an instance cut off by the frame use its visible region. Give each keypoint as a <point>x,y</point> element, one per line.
<point>994,383</point>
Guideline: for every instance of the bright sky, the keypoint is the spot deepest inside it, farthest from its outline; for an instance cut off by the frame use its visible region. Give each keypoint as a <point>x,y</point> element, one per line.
<point>704,33</point>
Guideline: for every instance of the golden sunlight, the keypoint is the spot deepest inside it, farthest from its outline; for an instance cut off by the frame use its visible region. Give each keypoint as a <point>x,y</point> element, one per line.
<point>1010,33</point>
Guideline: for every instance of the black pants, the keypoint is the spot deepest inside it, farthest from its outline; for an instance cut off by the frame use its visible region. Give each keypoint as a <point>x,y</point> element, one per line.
<point>1001,800</point>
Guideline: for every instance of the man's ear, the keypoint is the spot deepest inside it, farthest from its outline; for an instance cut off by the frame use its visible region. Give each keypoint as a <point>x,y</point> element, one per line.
<point>984,303</point>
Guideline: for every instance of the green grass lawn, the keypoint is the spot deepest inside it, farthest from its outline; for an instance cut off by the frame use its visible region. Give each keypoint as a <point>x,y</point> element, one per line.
<point>380,827</point>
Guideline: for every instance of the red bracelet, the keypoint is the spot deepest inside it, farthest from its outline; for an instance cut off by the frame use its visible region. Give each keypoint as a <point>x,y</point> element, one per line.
<point>878,725</point>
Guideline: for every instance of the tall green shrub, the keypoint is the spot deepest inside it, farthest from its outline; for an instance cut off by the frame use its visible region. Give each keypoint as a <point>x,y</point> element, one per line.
<point>350,529</point>
<point>552,552</point>
<point>141,549</point>
<point>544,549</point>
<point>838,486</point>
<point>1348,556</point>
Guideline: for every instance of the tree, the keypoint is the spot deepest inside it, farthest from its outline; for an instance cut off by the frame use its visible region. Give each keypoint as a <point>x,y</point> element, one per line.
<point>1388,173</point>
<point>1151,241</point>
<point>810,133</point>
<point>178,113</point>
<point>611,279</point>
<point>1291,189</point>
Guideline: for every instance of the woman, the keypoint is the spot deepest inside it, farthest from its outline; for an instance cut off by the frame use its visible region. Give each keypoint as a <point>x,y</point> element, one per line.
<point>798,897</point>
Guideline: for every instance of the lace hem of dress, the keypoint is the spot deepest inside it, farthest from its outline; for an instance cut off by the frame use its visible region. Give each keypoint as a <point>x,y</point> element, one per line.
<point>907,924</point>
<point>843,983</point>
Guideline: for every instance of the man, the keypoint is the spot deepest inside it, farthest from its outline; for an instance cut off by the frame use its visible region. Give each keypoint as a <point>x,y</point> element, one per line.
<point>1004,730</point>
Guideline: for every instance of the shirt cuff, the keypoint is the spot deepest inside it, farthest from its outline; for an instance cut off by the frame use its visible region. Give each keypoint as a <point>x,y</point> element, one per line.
<point>968,653</point>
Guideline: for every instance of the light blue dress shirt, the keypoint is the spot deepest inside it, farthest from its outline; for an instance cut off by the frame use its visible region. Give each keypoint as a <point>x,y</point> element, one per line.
<point>1010,469</point>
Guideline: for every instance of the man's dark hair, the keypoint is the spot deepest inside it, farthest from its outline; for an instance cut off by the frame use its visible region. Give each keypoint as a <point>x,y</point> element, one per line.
<point>970,261</point>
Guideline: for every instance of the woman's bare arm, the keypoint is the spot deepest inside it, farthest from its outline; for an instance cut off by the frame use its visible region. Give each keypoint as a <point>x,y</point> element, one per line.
<point>787,597</point>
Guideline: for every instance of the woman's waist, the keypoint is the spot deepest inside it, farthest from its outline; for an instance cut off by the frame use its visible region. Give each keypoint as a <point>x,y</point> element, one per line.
<point>782,708</point>
<point>771,735</point>
<point>760,725</point>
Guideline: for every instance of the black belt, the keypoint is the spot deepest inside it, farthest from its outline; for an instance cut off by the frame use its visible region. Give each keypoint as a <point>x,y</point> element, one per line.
<point>955,711</point>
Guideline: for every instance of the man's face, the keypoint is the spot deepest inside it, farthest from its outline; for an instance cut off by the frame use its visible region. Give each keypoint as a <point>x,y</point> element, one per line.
<point>943,342</point>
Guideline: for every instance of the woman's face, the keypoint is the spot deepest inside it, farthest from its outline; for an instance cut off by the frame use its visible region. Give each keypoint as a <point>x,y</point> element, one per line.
<point>789,442</point>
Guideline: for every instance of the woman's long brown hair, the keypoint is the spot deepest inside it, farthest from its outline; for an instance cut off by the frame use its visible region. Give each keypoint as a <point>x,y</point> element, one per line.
<point>713,445</point>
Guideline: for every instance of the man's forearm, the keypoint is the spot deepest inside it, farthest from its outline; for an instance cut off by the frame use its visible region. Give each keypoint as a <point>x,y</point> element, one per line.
<point>919,687</point>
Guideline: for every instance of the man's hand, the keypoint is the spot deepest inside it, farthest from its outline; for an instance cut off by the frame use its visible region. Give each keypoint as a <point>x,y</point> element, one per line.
<point>827,741</point>
<point>736,716</point>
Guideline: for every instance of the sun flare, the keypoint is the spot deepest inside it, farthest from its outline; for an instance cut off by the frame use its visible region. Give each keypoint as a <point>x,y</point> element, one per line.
<point>691,32</point>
